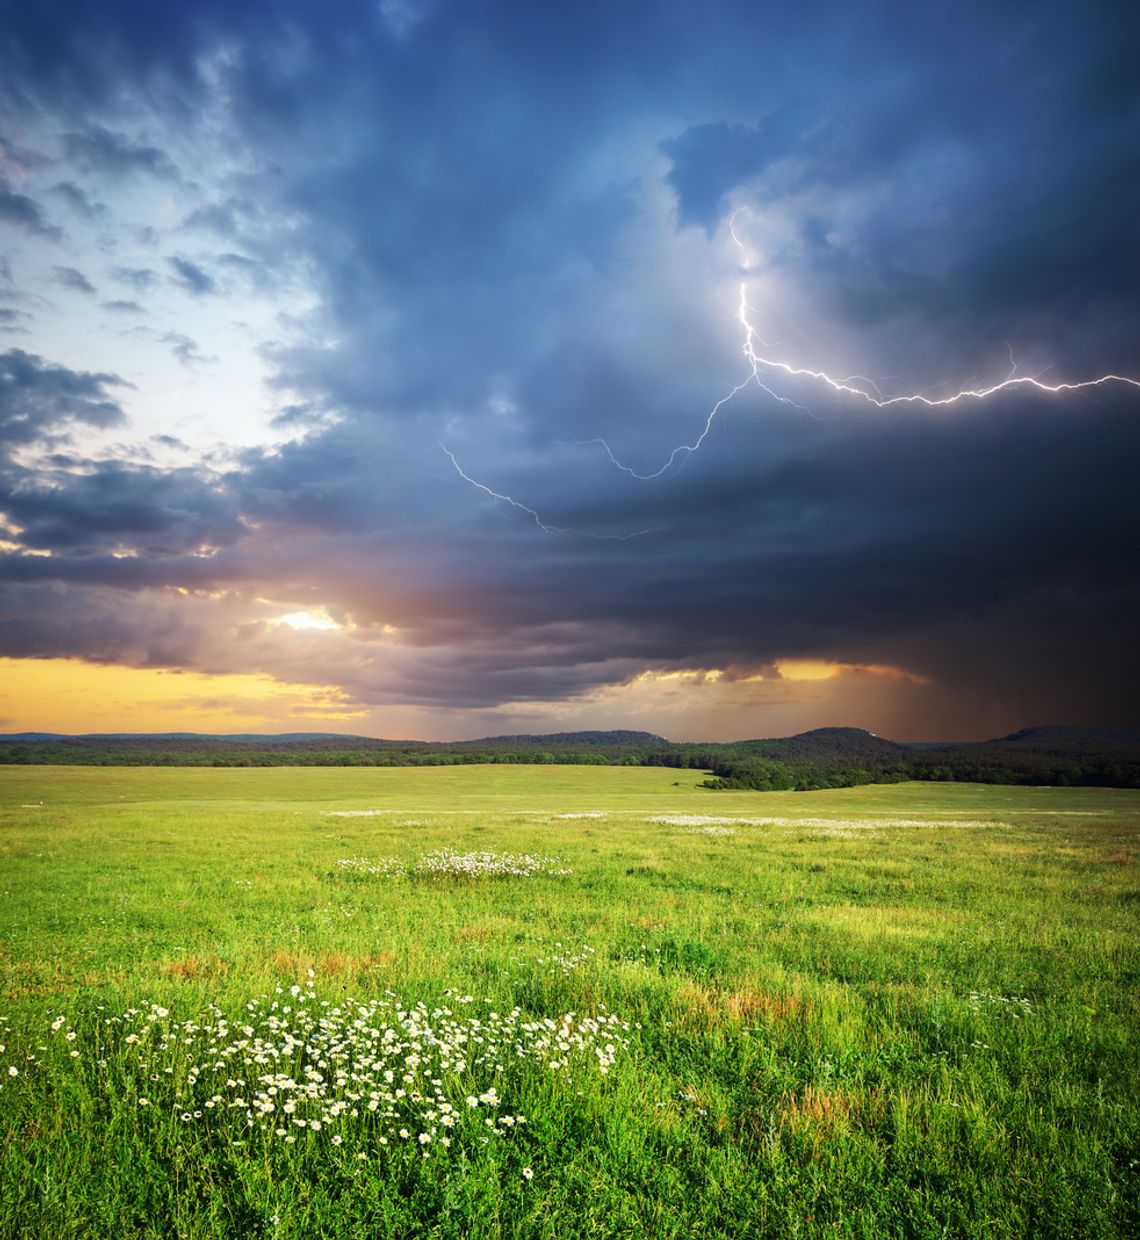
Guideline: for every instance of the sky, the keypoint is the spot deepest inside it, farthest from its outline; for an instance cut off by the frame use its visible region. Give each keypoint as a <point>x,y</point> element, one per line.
<point>415,368</point>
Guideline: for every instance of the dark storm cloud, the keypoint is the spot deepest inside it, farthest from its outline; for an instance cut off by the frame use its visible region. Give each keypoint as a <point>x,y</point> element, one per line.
<point>57,621</point>
<point>297,416</point>
<point>38,398</point>
<point>709,161</point>
<point>114,507</point>
<point>1011,160</point>
<point>73,279</point>
<point>493,273</point>
<point>856,541</point>
<point>191,277</point>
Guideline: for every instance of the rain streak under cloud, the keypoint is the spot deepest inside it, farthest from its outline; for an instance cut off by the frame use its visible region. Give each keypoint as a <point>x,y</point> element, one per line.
<point>321,332</point>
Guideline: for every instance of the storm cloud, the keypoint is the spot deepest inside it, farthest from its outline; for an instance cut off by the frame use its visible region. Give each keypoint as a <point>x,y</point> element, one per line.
<point>486,238</point>
<point>37,398</point>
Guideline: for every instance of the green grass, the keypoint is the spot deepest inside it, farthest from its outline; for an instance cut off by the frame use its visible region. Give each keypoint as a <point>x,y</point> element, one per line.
<point>805,1055</point>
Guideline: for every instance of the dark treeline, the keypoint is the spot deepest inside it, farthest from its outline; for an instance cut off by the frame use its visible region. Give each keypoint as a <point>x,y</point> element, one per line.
<point>824,758</point>
<point>575,748</point>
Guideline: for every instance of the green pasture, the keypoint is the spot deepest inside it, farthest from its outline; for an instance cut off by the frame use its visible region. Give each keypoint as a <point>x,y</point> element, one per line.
<point>906,1010</point>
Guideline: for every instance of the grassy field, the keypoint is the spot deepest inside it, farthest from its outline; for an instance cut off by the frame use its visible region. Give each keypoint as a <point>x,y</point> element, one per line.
<point>881,1011</point>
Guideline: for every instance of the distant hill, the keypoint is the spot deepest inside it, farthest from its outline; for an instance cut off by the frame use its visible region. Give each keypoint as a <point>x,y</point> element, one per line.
<point>620,747</point>
<point>618,737</point>
<point>848,745</point>
<point>840,757</point>
<point>820,758</point>
<point>1084,740</point>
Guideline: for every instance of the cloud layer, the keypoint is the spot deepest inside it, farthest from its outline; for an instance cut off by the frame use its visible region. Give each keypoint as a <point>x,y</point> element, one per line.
<point>381,248</point>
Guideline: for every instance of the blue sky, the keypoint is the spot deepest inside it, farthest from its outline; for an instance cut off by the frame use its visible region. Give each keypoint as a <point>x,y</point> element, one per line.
<point>290,295</point>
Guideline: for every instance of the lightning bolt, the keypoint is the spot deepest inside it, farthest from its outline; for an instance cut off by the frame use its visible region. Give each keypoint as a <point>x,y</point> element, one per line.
<point>545,526</point>
<point>858,386</point>
<point>761,365</point>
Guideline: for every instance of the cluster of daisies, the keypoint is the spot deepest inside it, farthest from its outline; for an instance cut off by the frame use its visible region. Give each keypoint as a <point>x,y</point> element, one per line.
<point>7,1070</point>
<point>703,820</point>
<point>1010,1005</point>
<point>370,867</point>
<point>447,863</point>
<point>294,1067</point>
<point>566,961</point>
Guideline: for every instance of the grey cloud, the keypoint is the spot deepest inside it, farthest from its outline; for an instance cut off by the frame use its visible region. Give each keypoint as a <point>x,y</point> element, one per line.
<point>71,278</point>
<point>37,397</point>
<point>844,542</point>
<point>115,507</point>
<point>709,161</point>
<point>77,199</point>
<point>119,306</point>
<point>184,348</point>
<point>21,159</point>
<point>221,218</point>
<point>97,149</point>
<point>257,275</point>
<point>191,277</point>
<point>852,545</point>
<point>24,212</point>
<point>294,416</point>
<point>142,279</point>
<point>12,321</point>
<point>46,621</point>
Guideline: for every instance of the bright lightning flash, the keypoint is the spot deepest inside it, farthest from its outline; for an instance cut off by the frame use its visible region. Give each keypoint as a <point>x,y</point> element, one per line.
<point>760,363</point>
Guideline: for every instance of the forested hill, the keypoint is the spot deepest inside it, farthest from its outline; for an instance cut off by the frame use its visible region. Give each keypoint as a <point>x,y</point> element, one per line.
<point>323,749</point>
<point>839,757</point>
<point>822,758</point>
<point>1072,740</point>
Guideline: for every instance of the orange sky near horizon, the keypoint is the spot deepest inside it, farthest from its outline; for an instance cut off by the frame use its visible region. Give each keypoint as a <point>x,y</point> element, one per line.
<point>69,695</point>
<point>72,696</point>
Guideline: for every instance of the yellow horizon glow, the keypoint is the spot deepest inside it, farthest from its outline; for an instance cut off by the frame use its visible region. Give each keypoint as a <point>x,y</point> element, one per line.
<point>821,669</point>
<point>69,695</point>
<point>73,696</point>
<point>786,669</point>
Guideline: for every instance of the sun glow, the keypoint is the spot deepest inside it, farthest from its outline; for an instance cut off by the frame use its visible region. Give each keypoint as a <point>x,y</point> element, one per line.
<point>68,695</point>
<point>780,670</point>
<point>303,620</point>
<point>820,669</point>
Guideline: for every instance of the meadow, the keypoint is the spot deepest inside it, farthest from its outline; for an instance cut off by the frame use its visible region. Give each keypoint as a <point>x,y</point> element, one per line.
<point>563,1001</point>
